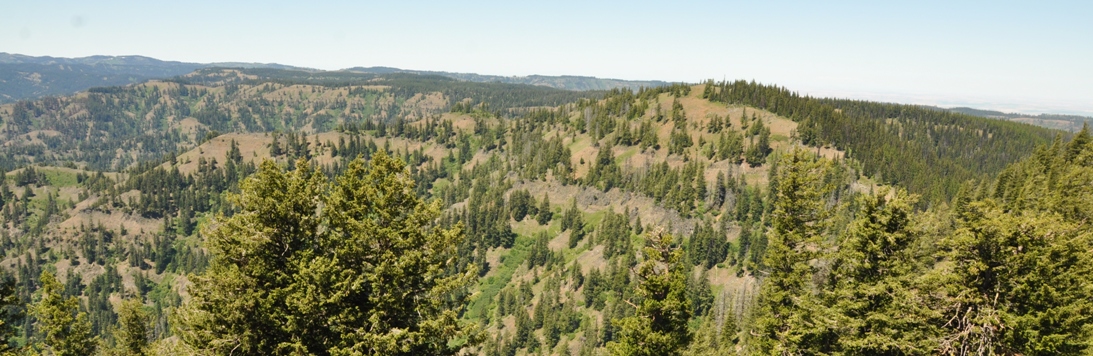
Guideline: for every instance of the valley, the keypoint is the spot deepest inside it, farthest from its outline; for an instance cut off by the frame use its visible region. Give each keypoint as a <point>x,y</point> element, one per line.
<point>128,192</point>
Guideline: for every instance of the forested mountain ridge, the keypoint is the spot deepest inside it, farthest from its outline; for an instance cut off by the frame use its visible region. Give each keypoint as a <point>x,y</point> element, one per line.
<point>894,142</point>
<point>146,121</point>
<point>27,77</point>
<point>568,82</point>
<point>544,201</point>
<point>1071,123</point>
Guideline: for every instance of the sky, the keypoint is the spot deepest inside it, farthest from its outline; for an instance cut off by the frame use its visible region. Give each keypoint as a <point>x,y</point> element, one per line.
<point>1013,56</point>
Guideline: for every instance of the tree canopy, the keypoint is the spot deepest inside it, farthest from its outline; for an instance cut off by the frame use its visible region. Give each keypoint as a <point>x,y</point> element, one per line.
<point>353,267</point>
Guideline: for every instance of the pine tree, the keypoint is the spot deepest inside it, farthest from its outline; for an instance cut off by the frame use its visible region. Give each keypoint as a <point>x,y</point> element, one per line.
<point>605,172</point>
<point>65,330</point>
<point>518,204</point>
<point>131,334</point>
<point>1017,284</point>
<point>1020,265</point>
<point>365,274</point>
<point>659,326</point>
<point>718,192</point>
<point>1079,143</point>
<point>545,214</point>
<point>233,153</point>
<point>871,276</point>
<point>9,314</point>
<point>275,146</point>
<point>787,321</point>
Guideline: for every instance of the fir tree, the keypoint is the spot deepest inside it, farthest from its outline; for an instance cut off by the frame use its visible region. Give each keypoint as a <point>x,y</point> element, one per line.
<point>365,274</point>
<point>659,326</point>
<point>789,320</point>
<point>871,272</point>
<point>65,330</point>
<point>131,334</point>
<point>9,312</point>
<point>544,214</point>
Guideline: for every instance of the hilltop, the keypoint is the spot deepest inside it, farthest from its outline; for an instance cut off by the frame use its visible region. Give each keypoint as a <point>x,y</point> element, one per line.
<point>1069,123</point>
<point>117,188</point>
<point>568,82</point>
<point>29,77</point>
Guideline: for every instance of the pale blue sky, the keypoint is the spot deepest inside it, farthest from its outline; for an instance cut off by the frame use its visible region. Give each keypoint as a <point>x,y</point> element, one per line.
<point>1031,56</point>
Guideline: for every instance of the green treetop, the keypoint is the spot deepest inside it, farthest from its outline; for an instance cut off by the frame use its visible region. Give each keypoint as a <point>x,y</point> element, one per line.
<point>355,267</point>
<point>65,331</point>
<point>788,320</point>
<point>659,326</point>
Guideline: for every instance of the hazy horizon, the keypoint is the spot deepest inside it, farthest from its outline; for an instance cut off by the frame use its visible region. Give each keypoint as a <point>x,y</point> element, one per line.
<point>1028,58</point>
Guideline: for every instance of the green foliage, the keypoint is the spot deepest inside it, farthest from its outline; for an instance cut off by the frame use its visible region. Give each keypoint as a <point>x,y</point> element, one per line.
<point>9,312</point>
<point>307,265</point>
<point>707,246</point>
<point>663,310</point>
<point>132,332</point>
<point>730,146</point>
<point>757,153</point>
<point>871,281</point>
<point>614,234</point>
<point>1021,266</point>
<point>788,321</point>
<point>519,202</point>
<point>544,214</point>
<point>605,173</point>
<point>679,141</point>
<point>900,144</point>
<point>540,254</point>
<point>573,221</point>
<point>1010,279</point>
<point>64,329</point>
<point>363,274</point>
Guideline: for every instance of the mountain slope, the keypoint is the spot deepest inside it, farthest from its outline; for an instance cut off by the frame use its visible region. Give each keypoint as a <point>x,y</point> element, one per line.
<point>1070,123</point>
<point>567,82</point>
<point>116,188</point>
<point>27,77</point>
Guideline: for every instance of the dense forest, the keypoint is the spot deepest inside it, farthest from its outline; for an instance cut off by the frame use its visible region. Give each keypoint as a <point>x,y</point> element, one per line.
<point>268,212</point>
<point>896,143</point>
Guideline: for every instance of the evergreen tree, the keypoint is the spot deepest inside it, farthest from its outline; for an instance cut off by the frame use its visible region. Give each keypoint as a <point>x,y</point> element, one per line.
<point>233,153</point>
<point>659,326</point>
<point>64,329</point>
<point>275,146</point>
<point>1020,265</point>
<point>756,155</point>
<point>518,204</point>
<point>605,173</point>
<point>788,320</point>
<point>1018,284</point>
<point>545,214</point>
<point>872,272</point>
<point>131,334</point>
<point>365,274</point>
<point>9,312</point>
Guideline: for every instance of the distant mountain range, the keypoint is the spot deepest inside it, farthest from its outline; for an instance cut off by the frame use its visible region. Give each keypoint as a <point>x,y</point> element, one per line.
<point>568,82</point>
<point>1071,123</point>
<point>28,77</point>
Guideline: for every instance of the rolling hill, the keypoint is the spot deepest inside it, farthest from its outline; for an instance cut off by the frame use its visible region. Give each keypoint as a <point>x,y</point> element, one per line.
<point>568,82</point>
<point>117,189</point>
<point>28,77</point>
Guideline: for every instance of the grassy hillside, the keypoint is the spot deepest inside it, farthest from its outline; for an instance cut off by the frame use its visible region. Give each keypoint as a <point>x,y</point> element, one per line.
<point>116,189</point>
